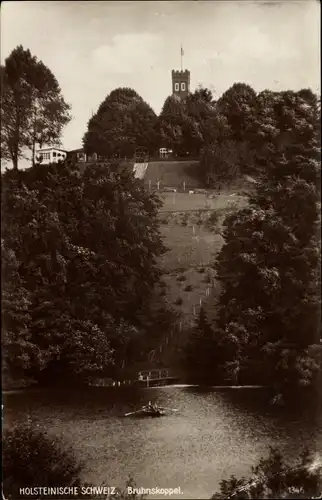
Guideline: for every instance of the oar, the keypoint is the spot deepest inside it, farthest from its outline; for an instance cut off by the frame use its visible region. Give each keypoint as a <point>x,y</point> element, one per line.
<point>171,409</point>
<point>132,413</point>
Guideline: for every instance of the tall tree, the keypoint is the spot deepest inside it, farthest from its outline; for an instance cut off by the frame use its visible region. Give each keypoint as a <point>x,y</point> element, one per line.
<point>123,122</point>
<point>200,104</point>
<point>269,308</point>
<point>183,123</point>
<point>170,123</point>
<point>33,110</point>
<point>201,353</point>
<point>229,133</point>
<point>239,105</point>
<point>49,113</point>
<point>220,163</point>
<point>85,249</point>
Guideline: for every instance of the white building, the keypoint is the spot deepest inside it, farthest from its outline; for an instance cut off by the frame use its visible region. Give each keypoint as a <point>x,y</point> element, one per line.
<point>164,152</point>
<point>45,156</point>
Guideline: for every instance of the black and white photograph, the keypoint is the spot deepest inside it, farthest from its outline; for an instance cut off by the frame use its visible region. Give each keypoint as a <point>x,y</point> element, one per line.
<point>161,250</point>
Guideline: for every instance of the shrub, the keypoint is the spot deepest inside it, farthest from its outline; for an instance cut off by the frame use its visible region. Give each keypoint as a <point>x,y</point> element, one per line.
<point>31,458</point>
<point>178,301</point>
<point>188,288</point>
<point>273,478</point>
<point>183,218</point>
<point>181,278</point>
<point>214,219</point>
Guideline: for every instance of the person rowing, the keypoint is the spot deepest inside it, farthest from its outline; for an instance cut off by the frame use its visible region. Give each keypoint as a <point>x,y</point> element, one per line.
<point>151,407</point>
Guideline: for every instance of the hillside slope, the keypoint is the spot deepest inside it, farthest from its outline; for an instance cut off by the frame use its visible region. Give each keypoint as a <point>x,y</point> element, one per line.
<point>191,226</point>
<point>169,174</point>
<point>174,174</point>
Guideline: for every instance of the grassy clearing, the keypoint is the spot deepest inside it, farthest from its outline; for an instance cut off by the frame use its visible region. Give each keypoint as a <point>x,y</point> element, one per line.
<point>189,246</point>
<point>176,202</point>
<point>191,225</point>
<point>192,234</point>
<point>190,291</point>
<point>174,174</point>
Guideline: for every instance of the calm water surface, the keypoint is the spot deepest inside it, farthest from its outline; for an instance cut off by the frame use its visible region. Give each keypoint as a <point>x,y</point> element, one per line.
<point>214,434</point>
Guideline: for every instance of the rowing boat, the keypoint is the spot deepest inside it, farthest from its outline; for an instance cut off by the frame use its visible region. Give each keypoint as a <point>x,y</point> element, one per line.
<point>145,412</point>
<point>151,413</point>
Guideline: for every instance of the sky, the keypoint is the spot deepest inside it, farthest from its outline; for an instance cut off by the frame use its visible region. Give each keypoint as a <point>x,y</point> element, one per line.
<point>95,47</point>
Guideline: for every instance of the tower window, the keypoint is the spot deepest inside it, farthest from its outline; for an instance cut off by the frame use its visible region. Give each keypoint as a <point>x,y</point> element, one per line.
<point>176,86</point>
<point>183,86</point>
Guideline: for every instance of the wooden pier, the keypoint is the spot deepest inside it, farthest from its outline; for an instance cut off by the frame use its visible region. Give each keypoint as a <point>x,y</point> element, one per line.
<point>155,378</point>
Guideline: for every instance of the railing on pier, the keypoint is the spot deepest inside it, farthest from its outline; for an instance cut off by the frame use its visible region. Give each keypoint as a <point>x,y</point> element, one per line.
<point>157,377</point>
<point>153,374</point>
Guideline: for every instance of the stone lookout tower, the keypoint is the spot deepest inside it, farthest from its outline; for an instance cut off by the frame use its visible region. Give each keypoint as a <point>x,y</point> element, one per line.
<point>181,83</point>
<point>181,80</point>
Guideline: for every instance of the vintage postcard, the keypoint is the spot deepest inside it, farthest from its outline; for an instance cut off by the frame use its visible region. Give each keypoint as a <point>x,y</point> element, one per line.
<point>161,249</point>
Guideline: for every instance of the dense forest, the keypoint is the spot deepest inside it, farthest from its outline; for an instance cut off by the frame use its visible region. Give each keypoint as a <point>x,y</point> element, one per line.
<point>82,291</point>
<point>268,314</point>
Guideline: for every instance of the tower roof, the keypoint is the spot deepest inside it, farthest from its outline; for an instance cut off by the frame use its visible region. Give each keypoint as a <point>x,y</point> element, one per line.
<point>180,72</point>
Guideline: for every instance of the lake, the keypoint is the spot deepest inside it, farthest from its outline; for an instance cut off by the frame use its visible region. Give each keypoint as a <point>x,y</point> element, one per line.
<point>214,433</point>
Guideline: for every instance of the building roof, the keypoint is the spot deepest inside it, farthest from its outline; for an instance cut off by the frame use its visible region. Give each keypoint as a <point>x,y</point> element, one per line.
<point>79,150</point>
<point>44,150</point>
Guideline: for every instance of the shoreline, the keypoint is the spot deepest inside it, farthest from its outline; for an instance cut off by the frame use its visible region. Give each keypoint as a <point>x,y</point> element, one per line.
<point>174,386</point>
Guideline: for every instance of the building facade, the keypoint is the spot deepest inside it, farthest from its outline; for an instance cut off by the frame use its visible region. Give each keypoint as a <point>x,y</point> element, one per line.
<point>45,156</point>
<point>78,154</point>
<point>180,83</point>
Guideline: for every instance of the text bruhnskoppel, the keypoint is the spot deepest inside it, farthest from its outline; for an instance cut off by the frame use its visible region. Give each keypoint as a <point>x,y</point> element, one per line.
<point>154,491</point>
